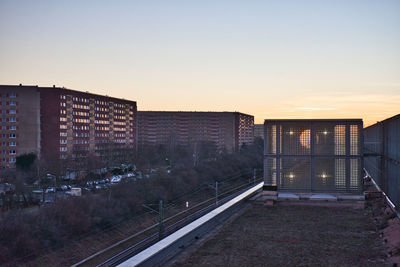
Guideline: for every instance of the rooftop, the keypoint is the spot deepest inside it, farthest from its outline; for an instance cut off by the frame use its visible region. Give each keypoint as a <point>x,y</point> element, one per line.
<point>291,235</point>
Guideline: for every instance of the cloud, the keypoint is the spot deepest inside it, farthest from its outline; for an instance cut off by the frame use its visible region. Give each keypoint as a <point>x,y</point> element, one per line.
<point>314,108</point>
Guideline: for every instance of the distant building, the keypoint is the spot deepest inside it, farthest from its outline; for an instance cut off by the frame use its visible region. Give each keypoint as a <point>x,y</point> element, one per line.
<point>20,122</point>
<point>228,130</point>
<point>59,123</point>
<point>314,155</point>
<point>259,130</point>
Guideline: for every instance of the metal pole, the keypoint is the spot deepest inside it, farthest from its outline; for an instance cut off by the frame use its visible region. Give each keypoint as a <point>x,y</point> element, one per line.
<point>161,220</point>
<point>216,193</point>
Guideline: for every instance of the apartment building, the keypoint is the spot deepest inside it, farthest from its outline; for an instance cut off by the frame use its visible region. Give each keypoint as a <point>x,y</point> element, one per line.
<point>60,123</point>
<point>228,130</point>
<point>259,130</point>
<point>20,122</point>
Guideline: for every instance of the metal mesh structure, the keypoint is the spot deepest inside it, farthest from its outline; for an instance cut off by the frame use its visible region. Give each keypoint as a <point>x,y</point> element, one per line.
<point>382,156</point>
<point>313,155</point>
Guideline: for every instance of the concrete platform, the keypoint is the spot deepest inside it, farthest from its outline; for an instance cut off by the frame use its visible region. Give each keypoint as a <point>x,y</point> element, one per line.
<point>323,197</point>
<point>351,197</point>
<point>269,193</point>
<point>288,196</point>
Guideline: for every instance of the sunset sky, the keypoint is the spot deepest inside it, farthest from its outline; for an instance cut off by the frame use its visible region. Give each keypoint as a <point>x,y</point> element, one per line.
<point>269,58</point>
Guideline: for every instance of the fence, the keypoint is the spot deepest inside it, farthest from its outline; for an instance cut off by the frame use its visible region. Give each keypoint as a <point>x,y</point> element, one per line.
<point>382,156</point>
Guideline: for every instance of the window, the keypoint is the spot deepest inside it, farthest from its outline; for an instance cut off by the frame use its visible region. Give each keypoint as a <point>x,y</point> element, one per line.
<point>13,103</point>
<point>62,141</point>
<point>63,149</point>
<point>13,111</point>
<point>13,95</point>
<point>13,127</point>
<point>13,152</point>
<point>13,143</point>
<point>12,160</point>
<point>12,119</point>
<point>12,135</point>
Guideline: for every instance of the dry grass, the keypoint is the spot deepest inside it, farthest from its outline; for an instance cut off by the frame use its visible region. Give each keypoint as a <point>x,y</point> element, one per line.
<point>293,236</point>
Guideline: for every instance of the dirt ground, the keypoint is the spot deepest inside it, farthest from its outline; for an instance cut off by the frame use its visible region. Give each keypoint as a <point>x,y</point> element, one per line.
<point>287,235</point>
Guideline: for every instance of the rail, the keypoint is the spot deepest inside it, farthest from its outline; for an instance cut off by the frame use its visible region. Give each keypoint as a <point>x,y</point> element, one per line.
<point>388,201</point>
<point>146,256</point>
<point>175,223</point>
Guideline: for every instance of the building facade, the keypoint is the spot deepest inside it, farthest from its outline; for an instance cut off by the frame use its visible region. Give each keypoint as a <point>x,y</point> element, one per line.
<point>20,123</point>
<point>259,130</point>
<point>228,130</point>
<point>314,155</point>
<point>59,123</point>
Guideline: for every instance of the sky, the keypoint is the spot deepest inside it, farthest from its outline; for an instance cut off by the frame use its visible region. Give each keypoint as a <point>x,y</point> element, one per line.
<point>271,59</point>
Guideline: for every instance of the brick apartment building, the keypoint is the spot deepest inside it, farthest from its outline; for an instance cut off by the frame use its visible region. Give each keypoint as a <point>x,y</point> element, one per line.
<point>228,130</point>
<point>59,123</point>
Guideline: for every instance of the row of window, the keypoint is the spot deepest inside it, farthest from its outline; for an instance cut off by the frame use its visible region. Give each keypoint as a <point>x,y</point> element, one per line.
<point>9,111</point>
<point>81,120</point>
<point>101,109</point>
<point>11,160</point>
<point>10,95</point>
<point>80,113</point>
<point>6,103</point>
<point>80,106</point>
<point>11,127</point>
<point>10,152</point>
<point>11,135</point>
<point>11,119</point>
<point>9,143</point>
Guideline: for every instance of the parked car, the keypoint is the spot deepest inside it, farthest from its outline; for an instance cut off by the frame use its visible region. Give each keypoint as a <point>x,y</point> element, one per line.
<point>64,187</point>
<point>50,190</point>
<point>116,179</point>
<point>75,191</point>
<point>38,191</point>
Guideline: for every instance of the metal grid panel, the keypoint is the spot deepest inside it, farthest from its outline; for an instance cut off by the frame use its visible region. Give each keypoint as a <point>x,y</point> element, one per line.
<point>354,174</point>
<point>340,140</point>
<point>271,139</point>
<point>329,174</point>
<point>295,139</point>
<point>340,173</point>
<point>324,139</point>
<point>354,140</point>
<point>270,171</point>
<point>295,173</point>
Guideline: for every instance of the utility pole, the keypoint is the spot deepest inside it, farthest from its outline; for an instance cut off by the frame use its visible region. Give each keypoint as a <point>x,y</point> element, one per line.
<point>160,217</point>
<point>216,193</point>
<point>161,220</point>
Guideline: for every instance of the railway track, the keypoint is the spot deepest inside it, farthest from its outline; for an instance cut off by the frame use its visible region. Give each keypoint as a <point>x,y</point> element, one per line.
<point>137,242</point>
